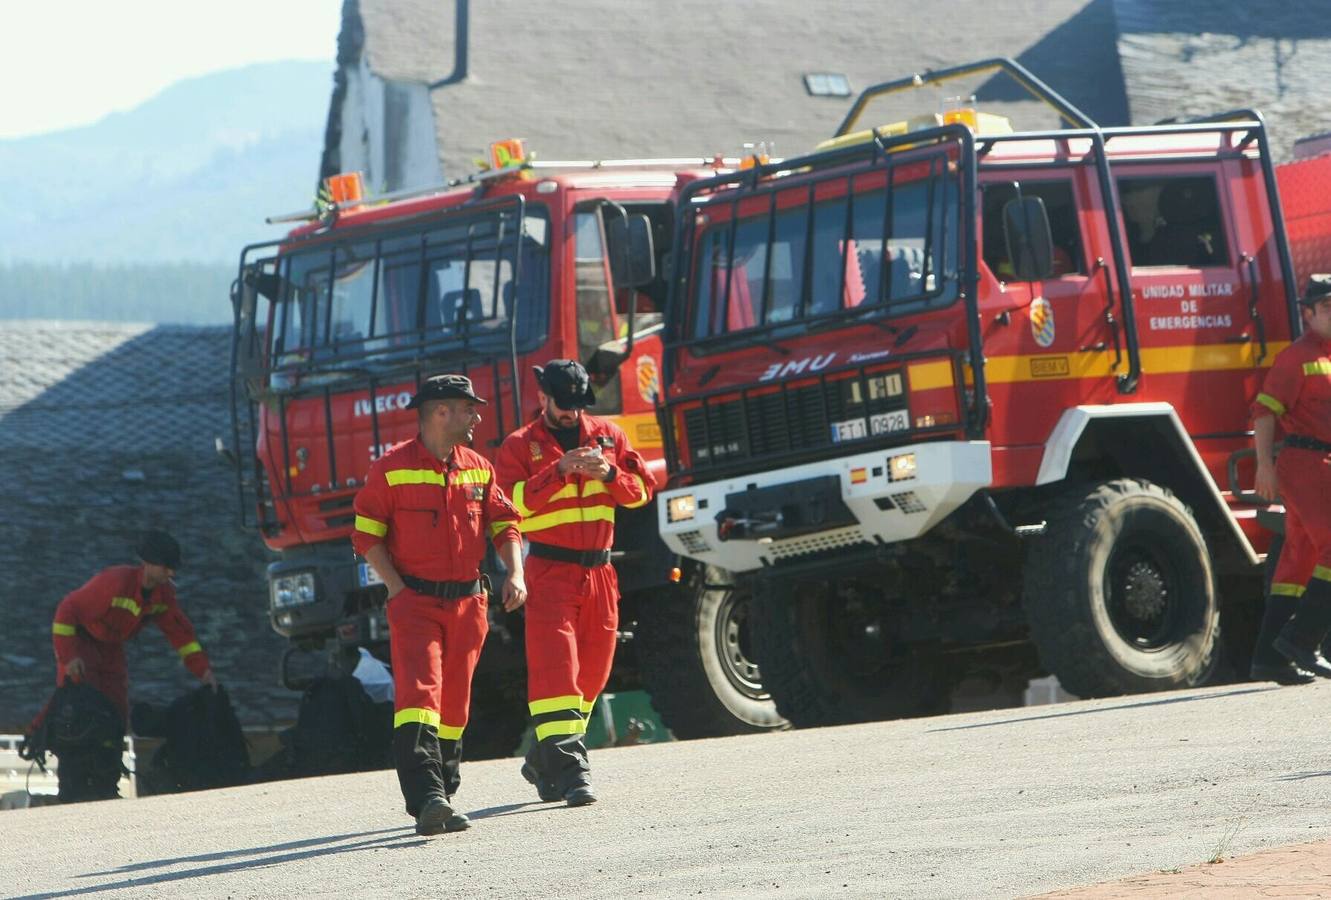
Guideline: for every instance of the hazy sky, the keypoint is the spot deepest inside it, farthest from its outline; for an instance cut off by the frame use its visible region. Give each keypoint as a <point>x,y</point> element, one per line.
<point>70,62</point>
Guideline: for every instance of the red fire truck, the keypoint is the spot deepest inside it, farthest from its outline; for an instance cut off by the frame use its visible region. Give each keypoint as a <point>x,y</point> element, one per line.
<point>336,325</point>
<point>958,401</point>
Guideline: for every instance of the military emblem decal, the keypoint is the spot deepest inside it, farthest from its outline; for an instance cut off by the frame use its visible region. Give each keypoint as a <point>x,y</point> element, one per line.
<point>1042,322</point>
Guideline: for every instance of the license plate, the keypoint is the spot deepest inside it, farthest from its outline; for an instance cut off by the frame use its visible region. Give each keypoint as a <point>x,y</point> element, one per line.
<point>888,422</point>
<point>849,430</point>
<point>368,576</point>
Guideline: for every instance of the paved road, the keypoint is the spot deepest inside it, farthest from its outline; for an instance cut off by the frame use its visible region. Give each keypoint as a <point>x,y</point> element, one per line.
<point>999,803</point>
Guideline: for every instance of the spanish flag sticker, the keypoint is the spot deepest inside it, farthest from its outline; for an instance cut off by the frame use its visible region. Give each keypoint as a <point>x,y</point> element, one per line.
<point>859,476</point>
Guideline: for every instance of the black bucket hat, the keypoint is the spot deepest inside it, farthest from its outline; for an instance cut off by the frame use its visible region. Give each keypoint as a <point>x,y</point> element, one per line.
<point>566,382</point>
<point>159,548</point>
<point>444,387</point>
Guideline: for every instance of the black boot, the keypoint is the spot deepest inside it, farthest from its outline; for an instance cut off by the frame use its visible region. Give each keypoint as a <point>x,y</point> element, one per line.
<point>420,770</point>
<point>1300,638</point>
<point>1267,663</point>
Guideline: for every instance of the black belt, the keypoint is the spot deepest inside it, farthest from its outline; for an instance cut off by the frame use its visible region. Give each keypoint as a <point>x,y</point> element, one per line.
<point>587,558</point>
<point>1303,442</point>
<point>448,590</point>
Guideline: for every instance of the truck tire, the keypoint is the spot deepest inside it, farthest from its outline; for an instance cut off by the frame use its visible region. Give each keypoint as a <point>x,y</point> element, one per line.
<point>828,659</point>
<point>1119,592</point>
<point>695,660</point>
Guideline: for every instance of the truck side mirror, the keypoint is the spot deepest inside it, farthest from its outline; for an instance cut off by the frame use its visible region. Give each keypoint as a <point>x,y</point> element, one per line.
<point>1029,244</point>
<point>632,256</point>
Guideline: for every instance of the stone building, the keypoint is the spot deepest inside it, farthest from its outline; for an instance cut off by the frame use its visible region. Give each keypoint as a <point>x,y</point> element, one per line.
<point>105,430</point>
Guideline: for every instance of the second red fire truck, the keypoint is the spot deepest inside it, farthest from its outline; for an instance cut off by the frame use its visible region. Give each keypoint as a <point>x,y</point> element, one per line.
<point>953,401</point>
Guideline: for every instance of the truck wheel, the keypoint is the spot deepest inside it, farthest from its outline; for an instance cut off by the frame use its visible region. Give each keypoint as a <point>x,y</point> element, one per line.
<point>829,659</point>
<point>696,661</point>
<point>1119,592</point>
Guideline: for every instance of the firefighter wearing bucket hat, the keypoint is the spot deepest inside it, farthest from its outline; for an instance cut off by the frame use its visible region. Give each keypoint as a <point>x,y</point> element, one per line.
<point>89,632</point>
<point>422,521</point>
<point>1296,395</point>
<point>567,472</point>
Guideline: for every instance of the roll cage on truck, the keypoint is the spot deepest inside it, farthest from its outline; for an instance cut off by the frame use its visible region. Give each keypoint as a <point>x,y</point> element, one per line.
<point>954,401</point>
<point>336,325</point>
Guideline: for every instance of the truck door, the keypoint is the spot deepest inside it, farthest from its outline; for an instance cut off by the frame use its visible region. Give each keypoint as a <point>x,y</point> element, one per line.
<point>1191,285</point>
<point>1063,336</point>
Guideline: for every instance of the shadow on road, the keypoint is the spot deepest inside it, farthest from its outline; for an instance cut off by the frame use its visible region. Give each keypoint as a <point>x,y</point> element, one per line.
<point>1300,776</point>
<point>393,836</point>
<point>1102,709</point>
<point>510,809</point>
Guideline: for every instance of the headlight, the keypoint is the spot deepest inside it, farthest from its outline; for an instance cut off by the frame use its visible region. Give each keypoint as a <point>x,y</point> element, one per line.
<point>681,508</point>
<point>293,590</point>
<point>901,468</point>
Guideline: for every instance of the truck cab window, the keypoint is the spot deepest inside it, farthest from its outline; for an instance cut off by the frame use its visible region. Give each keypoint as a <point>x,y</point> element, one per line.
<point>596,322</point>
<point>1061,207</point>
<point>1173,221</point>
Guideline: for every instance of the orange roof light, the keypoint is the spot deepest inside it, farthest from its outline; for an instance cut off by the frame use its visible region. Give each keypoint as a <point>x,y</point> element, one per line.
<point>506,154</point>
<point>345,189</point>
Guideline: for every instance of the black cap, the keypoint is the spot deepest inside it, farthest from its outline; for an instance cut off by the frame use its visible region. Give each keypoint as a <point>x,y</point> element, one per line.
<point>444,387</point>
<point>566,382</point>
<point>159,548</point>
<point>1319,286</point>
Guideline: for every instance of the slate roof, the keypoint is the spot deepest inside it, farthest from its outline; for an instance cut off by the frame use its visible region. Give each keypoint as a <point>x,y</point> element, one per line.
<point>106,429</point>
<point>637,78</point>
<point>1191,59</point>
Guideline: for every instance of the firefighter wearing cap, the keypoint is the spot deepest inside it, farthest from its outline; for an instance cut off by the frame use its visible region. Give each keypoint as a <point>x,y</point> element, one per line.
<point>1297,392</point>
<point>423,518</point>
<point>567,471</point>
<point>89,633</point>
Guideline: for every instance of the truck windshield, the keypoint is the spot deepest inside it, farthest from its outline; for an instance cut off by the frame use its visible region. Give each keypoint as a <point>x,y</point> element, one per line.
<point>443,289</point>
<point>870,251</point>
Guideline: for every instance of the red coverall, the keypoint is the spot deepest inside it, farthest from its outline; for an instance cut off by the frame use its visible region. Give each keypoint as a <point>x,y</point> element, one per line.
<point>93,622</point>
<point>1297,389</point>
<point>435,517</point>
<point>572,610</point>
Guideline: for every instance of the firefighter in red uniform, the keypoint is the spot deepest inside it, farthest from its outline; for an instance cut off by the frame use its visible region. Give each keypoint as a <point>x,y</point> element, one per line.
<point>89,633</point>
<point>422,521</point>
<point>566,472</point>
<point>1297,391</point>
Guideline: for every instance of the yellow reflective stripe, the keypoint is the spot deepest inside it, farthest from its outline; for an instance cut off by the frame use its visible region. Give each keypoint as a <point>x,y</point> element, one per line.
<point>554,704</point>
<point>563,726</point>
<point>470,476</point>
<point>520,498</point>
<point>191,647</point>
<point>588,706</point>
<point>496,527</point>
<point>451,732</point>
<point>414,715</point>
<point>62,629</point>
<point>642,486</point>
<point>1322,573</point>
<point>1317,367</point>
<point>1271,403</point>
<point>1281,589</point>
<point>156,608</point>
<point>127,604</point>
<point>592,488</point>
<point>567,516</point>
<point>414,476</point>
<point>371,526</point>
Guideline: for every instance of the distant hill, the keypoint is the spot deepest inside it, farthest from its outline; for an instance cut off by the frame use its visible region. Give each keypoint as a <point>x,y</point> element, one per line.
<point>185,178</point>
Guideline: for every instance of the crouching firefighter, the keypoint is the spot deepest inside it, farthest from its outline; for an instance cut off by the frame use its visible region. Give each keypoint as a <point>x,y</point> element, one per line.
<point>89,633</point>
<point>567,471</point>
<point>422,520</point>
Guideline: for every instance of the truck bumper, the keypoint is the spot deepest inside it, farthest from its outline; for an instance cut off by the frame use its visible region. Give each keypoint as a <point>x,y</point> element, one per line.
<point>885,496</point>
